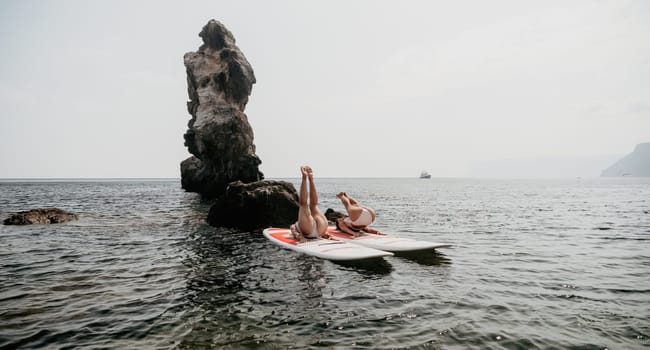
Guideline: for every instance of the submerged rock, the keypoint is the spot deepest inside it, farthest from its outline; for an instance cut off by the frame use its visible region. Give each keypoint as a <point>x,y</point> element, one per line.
<point>258,204</point>
<point>40,216</point>
<point>219,81</point>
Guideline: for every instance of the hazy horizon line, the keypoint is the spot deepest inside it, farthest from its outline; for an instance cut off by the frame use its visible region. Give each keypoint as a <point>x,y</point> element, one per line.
<point>34,179</point>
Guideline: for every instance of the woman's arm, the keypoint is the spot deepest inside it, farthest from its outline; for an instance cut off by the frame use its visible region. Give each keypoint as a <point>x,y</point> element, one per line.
<point>372,230</point>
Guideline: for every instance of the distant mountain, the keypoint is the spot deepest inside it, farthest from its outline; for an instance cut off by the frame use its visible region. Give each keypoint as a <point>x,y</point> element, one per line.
<point>636,163</point>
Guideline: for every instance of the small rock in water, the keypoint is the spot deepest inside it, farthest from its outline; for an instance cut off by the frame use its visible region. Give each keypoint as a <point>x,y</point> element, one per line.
<point>41,216</point>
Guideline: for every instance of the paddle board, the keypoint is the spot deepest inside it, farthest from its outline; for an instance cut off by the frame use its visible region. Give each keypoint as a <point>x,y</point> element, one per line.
<point>322,248</point>
<point>389,243</point>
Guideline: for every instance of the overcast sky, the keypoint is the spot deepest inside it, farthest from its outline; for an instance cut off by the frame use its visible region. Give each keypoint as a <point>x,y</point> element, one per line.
<point>353,88</point>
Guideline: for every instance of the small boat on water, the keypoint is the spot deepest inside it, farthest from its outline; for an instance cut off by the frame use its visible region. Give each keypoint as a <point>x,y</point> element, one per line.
<point>425,175</point>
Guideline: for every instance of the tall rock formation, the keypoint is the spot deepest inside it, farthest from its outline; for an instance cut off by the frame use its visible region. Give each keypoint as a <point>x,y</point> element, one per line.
<point>636,163</point>
<point>219,81</point>
<point>224,165</point>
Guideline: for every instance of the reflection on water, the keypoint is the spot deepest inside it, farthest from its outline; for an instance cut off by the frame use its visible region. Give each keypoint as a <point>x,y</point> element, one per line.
<point>368,267</point>
<point>427,257</point>
<point>535,264</point>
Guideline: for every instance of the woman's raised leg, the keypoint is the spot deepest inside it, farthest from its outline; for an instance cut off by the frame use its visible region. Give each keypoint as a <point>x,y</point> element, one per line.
<point>319,217</point>
<point>304,213</point>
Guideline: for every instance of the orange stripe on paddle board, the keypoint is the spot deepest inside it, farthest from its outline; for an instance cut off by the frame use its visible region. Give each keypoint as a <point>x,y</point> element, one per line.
<point>281,236</point>
<point>335,232</point>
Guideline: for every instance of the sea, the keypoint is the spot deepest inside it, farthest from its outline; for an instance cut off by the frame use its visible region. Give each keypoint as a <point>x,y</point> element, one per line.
<point>535,264</point>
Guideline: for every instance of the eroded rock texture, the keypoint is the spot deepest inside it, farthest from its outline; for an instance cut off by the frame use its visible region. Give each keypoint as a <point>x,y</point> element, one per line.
<point>40,216</point>
<point>219,81</point>
<point>256,205</point>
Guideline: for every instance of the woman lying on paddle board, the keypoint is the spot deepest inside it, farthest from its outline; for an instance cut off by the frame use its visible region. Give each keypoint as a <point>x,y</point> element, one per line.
<point>358,219</point>
<point>311,221</point>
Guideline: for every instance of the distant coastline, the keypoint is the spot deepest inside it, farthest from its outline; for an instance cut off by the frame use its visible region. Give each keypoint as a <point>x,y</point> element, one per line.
<point>635,164</point>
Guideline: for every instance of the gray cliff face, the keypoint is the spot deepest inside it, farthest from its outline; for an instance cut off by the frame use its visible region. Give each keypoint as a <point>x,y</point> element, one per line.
<point>219,81</point>
<point>636,163</point>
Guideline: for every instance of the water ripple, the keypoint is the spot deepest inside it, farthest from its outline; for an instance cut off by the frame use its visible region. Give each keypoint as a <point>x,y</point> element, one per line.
<point>536,264</point>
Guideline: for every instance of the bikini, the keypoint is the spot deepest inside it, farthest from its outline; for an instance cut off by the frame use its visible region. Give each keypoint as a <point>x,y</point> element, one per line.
<point>314,231</point>
<point>364,219</point>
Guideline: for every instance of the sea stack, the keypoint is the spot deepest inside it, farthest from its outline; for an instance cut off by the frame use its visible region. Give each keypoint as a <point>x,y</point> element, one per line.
<point>635,164</point>
<point>224,165</point>
<point>219,81</point>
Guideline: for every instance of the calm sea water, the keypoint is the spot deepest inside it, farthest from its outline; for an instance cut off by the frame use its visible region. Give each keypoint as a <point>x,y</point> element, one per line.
<point>536,264</point>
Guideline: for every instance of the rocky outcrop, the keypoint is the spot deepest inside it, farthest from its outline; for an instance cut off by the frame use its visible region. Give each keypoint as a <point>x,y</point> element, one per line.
<point>224,164</point>
<point>219,81</point>
<point>333,215</point>
<point>256,205</point>
<point>636,163</point>
<point>40,216</point>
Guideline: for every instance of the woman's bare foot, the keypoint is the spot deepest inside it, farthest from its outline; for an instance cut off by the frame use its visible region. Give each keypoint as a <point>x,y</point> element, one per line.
<point>310,173</point>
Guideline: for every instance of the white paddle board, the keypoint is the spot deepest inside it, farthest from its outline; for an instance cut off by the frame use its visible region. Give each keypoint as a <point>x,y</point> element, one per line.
<point>389,243</point>
<point>322,248</point>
